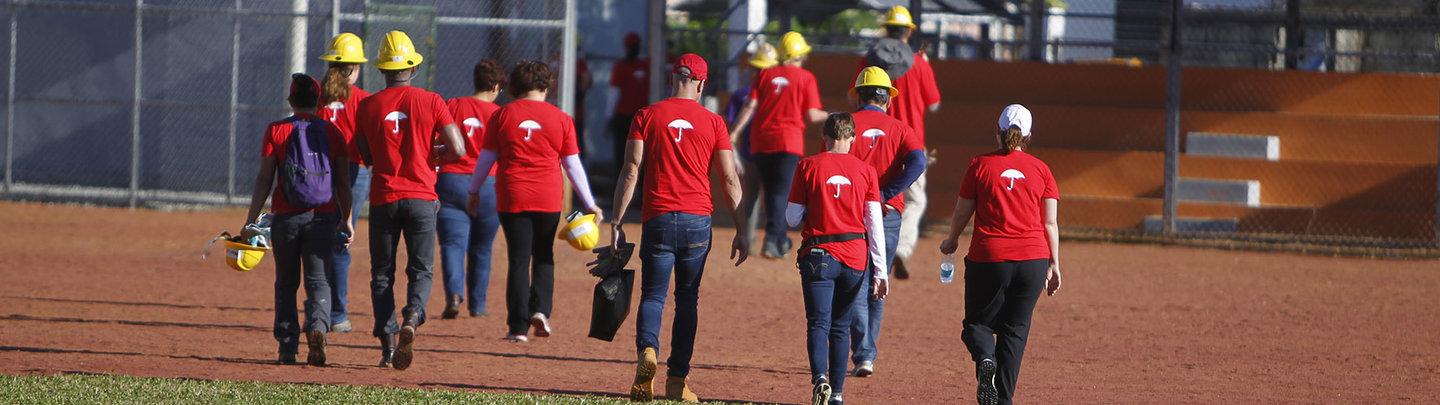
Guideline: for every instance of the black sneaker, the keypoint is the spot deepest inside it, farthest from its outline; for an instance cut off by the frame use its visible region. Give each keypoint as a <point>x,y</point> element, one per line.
<point>286,358</point>
<point>821,395</point>
<point>900,269</point>
<point>837,401</point>
<point>986,394</point>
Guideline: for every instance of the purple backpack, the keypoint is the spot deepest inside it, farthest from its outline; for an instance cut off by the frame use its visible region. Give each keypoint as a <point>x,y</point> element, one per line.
<point>306,171</point>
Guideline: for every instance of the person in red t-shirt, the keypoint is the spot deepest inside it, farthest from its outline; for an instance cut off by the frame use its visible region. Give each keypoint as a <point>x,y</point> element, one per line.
<point>629,91</point>
<point>1014,252</point>
<point>889,146</point>
<point>782,100</point>
<point>531,141</point>
<point>395,131</point>
<point>678,141</point>
<point>837,199</point>
<point>302,239</point>
<point>463,237</point>
<point>339,98</point>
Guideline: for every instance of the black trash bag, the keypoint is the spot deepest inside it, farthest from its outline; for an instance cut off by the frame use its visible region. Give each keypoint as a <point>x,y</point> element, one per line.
<point>612,304</point>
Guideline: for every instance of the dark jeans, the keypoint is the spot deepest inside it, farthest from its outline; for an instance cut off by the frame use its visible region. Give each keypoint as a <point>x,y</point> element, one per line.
<point>619,135</point>
<point>680,242</point>
<point>413,220</point>
<point>529,290</point>
<point>999,299</point>
<point>338,273</point>
<point>466,242</point>
<point>302,244</point>
<point>870,311</point>
<point>749,202</point>
<point>776,171</point>
<point>831,290</point>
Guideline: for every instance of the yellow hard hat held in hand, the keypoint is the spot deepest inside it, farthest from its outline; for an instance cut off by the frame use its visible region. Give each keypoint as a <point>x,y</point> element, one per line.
<point>764,57</point>
<point>793,45</point>
<point>239,255</point>
<point>345,48</point>
<point>580,231</point>
<point>397,53</point>
<point>872,77</point>
<point>899,15</point>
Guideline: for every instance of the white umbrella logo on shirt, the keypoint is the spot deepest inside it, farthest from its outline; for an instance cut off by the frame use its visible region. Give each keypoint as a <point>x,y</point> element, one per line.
<point>334,107</point>
<point>395,116</point>
<point>780,83</point>
<point>471,124</point>
<point>873,133</point>
<point>681,125</point>
<point>838,181</point>
<point>529,126</point>
<point>1012,174</point>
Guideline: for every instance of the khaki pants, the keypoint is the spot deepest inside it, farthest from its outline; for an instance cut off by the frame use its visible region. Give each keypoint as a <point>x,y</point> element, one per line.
<point>915,202</point>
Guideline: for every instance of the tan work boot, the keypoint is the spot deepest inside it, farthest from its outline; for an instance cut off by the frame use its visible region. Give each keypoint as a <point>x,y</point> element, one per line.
<point>676,390</point>
<point>644,387</point>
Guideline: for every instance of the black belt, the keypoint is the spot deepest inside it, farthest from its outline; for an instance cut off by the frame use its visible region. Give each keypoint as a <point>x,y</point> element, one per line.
<point>819,240</point>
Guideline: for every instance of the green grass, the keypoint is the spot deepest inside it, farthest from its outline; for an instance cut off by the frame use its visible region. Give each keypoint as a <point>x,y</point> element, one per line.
<point>110,389</point>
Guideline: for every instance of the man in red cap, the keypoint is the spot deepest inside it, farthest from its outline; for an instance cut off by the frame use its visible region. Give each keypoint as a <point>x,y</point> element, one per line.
<point>629,92</point>
<point>678,141</point>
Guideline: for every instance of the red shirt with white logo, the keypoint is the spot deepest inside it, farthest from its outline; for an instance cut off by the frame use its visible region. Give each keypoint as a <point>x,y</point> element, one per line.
<point>681,138</point>
<point>882,142</point>
<point>633,79</point>
<point>472,115</point>
<point>834,188</point>
<point>529,138</point>
<point>342,114</point>
<point>399,124</point>
<point>917,93</point>
<point>1009,191</point>
<point>274,145</point>
<point>783,94</point>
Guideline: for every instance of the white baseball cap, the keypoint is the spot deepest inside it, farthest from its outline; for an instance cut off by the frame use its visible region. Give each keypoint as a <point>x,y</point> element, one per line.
<point>1016,115</point>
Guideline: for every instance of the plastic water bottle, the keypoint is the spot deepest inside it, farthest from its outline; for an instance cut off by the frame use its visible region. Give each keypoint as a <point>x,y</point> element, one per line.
<point>947,269</point>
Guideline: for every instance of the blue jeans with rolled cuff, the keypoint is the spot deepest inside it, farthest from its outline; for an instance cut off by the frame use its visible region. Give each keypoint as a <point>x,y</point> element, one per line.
<point>466,242</point>
<point>672,242</point>
<point>831,290</point>
<point>870,311</point>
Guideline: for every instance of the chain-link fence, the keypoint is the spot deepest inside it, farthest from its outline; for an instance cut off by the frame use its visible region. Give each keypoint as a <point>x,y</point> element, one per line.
<point>141,101</point>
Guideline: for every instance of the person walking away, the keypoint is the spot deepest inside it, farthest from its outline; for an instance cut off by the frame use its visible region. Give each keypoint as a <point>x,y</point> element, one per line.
<point>888,146</point>
<point>678,141</point>
<point>764,58</point>
<point>307,157</point>
<point>782,100</point>
<point>837,199</point>
<point>530,141</point>
<point>396,128</point>
<point>466,241</point>
<point>1014,253</point>
<point>339,98</point>
<point>629,91</point>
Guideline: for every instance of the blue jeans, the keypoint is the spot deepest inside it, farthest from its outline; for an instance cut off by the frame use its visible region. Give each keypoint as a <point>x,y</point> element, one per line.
<point>680,242</point>
<point>338,273</point>
<point>776,171</point>
<point>464,238</point>
<point>831,290</point>
<point>869,312</point>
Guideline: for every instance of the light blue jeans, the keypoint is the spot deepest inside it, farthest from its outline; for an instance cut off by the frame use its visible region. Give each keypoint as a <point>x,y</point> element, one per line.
<point>869,312</point>
<point>338,273</point>
<point>466,242</point>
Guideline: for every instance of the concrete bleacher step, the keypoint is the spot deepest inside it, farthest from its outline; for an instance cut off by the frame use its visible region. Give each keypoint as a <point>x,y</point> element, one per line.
<point>1245,192</point>
<point>1233,145</point>
<point>1155,224</point>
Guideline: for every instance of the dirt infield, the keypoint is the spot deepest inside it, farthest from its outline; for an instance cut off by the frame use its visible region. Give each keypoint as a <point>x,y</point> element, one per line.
<point>102,290</point>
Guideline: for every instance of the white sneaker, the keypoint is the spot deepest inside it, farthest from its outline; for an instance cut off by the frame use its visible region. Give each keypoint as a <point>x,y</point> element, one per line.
<point>514,338</point>
<point>541,325</point>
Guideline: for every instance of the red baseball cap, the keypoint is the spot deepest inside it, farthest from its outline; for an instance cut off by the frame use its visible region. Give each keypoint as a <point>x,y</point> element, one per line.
<point>632,38</point>
<point>301,83</point>
<point>695,64</point>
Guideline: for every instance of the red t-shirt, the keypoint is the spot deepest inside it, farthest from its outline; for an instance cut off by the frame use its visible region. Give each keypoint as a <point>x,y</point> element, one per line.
<point>784,93</point>
<point>882,142</point>
<point>1009,192</point>
<point>917,93</point>
<point>274,145</point>
<point>632,77</point>
<point>342,114</point>
<point>529,137</point>
<point>399,124</point>
<point>834,188</point>
<point>681,138</point>
<point>472,115</point>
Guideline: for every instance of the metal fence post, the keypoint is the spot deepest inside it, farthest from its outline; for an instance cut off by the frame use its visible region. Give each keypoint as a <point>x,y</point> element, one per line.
<point>567,64</point>
<point>234,99</point>
<point>1172,119</point>
<point>135,108</point>
<point>657,50</point>
<point>1036,30</point>
<point>10,107</point>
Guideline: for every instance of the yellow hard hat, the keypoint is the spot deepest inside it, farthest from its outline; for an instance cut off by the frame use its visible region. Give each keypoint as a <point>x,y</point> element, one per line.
<point>899,15</point>
<point>242,257</point>
<point>397,53</point>
<point>873,76</point>
<point>345,48</point>
<point>764,57</point>
<point>793,45</point>
<point>581,232</point>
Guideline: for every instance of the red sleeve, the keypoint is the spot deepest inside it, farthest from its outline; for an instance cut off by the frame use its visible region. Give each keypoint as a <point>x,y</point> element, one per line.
<point>492,129</point>
<point>755,88</point>
<point>637,125</point>
<point>967,183</point>
<point>722,134</point>
<point>812,97</point>
<point>267,145</point>
<point>872,193</point>
<point>338,147</point>
<point>1052,190</point>
<point>568,145</point>
<point>442,112</point>
<point>798,185</point>
<point>929,91</point>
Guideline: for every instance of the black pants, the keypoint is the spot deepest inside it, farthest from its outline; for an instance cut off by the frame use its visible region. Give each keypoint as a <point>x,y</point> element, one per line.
<point>619,135</point>
<point>776,171</point>
<point>529,290</point>
<point>999,299</point>
<point>302,245</point>
<point>413,220</point>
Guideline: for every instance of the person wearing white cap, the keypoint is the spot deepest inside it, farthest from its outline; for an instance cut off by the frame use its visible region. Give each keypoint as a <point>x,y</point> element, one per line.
<point>1014,253</point>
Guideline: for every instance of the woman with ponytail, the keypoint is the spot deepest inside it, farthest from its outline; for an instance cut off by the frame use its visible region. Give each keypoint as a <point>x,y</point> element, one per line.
<point>1014,253</point>
<point>339,98</point>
